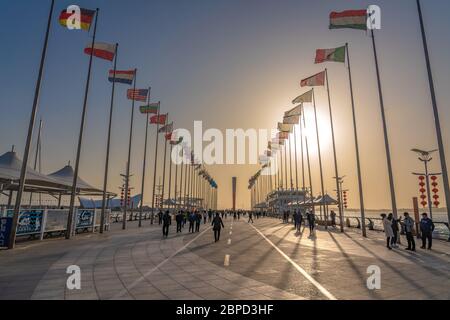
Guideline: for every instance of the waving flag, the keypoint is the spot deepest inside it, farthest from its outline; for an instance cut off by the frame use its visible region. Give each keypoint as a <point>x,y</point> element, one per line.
<point>166,129</point>
<point>282,135</point>
<point>291,120</point>
<point>334,55</point>
<point>150,108</point>
<point>297,111</point>
<point>101,50</point>
<point>161,119</point>
<point>316,80</point>
<point>137,95</point>
<point>86,18</point>
<point>304,98</point>
<point>126,77</point>
<point>285,128</point>
<point>351,19</point>
<point>177,142</point>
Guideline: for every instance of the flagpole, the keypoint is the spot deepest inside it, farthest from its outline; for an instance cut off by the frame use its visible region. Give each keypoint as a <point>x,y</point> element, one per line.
<point>296,160</point>
<point>303,157</point>
<point>70,217</point>
<point>318,150</point>
<point>108,145</point>
<point>127,176</point>
<point>386,138</point>
<point>144,163</point>
<point>164,164</point>
<point>181,186</point>
<point>23,171</point>
<point>358,163</point>
<point>335,157</point>
<point>290,163</point>
<point>189,182</point>
<point>170,175</point>
<point>156,163</point>
<point>436,113</point>
<point>186,174</point>
<point>309,164</point>
<point>37,155</point>
<point>176,181</point>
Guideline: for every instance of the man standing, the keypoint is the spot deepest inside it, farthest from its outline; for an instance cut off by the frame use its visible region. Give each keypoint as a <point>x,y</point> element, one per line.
<point>160,216</point>
<point>191,219</point>
<point>167,221</point>
<point>250,217</point>
<point>179,219</point>
<point>198,221</point>
<point>426,228</point>
<point>333,218</point>
<point>409,228</point>
<point>217,224</point>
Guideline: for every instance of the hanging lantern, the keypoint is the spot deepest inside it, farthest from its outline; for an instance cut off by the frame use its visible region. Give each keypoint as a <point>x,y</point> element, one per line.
<point>424,203</point>
<point>421,178</point>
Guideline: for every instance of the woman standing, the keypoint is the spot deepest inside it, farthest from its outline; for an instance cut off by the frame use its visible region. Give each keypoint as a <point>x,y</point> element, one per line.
<point>217,224</point>
<point>387,224</point>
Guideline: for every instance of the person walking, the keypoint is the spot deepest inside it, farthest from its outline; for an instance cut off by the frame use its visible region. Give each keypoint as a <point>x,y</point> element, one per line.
<point>389,233</point>
<point>217,224</point>
<point>333,218</point>
<point>298,221</point>
<point>198,221</point>
<point>250,217</point>
<point>166,221</point>
<point>209,215</point>
<point>205,216</point>
<point>395,230</point>
<point>311,222</point>
<point>191,220</point>
<point>160,216</point>
<point>426,229</point>
<point>179,219</point>
<point>234,215</point>
<point>408,223</point>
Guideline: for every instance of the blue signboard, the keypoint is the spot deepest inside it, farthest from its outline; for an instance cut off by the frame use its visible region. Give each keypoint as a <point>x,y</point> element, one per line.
<point>85,219</point>
<point>5,231</point>
<point>30,222</point>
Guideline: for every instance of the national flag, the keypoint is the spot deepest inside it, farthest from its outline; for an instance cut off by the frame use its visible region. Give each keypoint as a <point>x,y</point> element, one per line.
<point>274,145</point>
<point>285,128</point>
<point>314,81</point>
<point>351,19</point>
<point>126,77</point>
<point>86,18</point>
<point>102,50</point>
<point>268,153</point>
<point>291,120</point>
<point>334,55</point>
<point>263,159</point>
<point>297,111</point>
<point>282,135</point>
<point>304,98</point>
<point>137,95</point>
<point>152,108</point>
<point>167,129</point>
<point>161,119</point>
<point>168,136</point>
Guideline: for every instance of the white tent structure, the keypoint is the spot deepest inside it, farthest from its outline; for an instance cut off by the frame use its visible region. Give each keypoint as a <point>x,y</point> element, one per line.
<point>65,176</point>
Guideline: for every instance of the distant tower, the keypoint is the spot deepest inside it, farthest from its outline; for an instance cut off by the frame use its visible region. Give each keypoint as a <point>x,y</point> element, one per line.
<point>234,182</point>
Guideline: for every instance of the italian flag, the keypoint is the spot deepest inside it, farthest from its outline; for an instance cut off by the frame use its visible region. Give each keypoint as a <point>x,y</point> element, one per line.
<point>336,55</point>
<point>317,80</point>
<point>352,19</point>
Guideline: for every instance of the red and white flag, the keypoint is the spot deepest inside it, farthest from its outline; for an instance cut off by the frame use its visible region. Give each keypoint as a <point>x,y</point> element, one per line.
<point>316,80</point>
<point>101,50</point>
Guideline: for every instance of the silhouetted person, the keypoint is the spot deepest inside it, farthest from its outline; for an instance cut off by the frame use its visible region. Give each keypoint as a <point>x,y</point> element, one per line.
<point>239,215</point>
<point>192,217</point>
<point>408,222</point>
<point>198,221</point>
<point>160,215</point>
<point>210,214</point>
<point>333,218</point>
<point>250,217</point>
<point>217,224</point>
<point>387,224</point>
<point>395,230</point>
<point>167,221</point>
<point>426,229</point>
<point>311,222</point>
<point>179,219</point>
<point>204,217</point>
<point>235,215</point>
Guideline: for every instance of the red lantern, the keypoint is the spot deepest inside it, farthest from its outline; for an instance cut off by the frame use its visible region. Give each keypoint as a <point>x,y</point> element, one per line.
<point>436,203</point>
<point>422,190</point>
<point>434,178</point>
<point>423,203</point>
<point>423,197</point>
<point>421,178</point>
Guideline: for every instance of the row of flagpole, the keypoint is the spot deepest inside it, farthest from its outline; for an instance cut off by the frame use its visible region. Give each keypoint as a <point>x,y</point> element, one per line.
<point>344,19</point>
<point>108,52</point>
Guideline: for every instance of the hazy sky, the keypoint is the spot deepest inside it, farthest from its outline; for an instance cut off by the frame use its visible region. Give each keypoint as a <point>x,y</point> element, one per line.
<point>231,64</point>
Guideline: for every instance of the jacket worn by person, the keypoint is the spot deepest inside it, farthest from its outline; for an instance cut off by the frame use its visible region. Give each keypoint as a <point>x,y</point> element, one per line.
<point>167,219</point>
<point>217,223</point>
<point>409,224</point>
<point>387,224</point>
<point>426,225</point>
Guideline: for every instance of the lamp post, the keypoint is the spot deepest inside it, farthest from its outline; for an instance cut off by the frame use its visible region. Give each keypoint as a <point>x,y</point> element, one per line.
<point>425,157</point>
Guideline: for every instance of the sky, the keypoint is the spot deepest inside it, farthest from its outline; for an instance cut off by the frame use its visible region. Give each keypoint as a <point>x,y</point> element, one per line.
<point>231,64</point>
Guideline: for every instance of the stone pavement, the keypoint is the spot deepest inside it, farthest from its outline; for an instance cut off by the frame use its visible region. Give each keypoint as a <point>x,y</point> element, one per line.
<point>267,260</point>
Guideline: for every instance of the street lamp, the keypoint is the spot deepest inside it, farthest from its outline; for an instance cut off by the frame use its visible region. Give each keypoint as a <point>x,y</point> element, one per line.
<point>425,157</point>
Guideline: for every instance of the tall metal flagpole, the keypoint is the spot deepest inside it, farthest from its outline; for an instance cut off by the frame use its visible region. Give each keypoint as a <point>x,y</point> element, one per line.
<point>164,164</point>
<point>319,153</point>
<point>170,175</point>
<point>108,145</point>
<point>144,163</point>
<point>285,164</point>
<point>358,163</point>
<point>176,181</point>
<point>281,171</point>
<point>155,167</point>
<point>186,175</point>
<point>70,217</point>
<point>181,185</point>
<point>296,160</point>
<point>334,155</point>
<point>290,163</point>
<point>386,138</point>
<point>37,154</point>
<point>302,154</point>
<point>436,114</point>
<point>127,177</point>
<point>23,171</point>
<point>309,164</point>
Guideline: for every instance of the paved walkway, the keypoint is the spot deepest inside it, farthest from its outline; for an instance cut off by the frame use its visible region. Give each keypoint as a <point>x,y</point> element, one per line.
<point>263,261</point>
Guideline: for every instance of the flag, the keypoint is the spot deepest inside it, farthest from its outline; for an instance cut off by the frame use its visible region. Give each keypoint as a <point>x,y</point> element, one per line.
<point>161,119</point>
<point>282,135</point>
<point>177,142</point>
<point>126,77</point>
<point>274,145</point>
<point>351,19</point>
<point>86,18</point>
<point>166,129</point>
<point>268,153</point>
<point>304,98</point>
<point>285,128</point>
<point>334,55</point>
<point>137,95</point>
<point>297,111</point>
<point>150,108</point>
<point>168,136</point>
<point>263,159</point>
<point>314,81</point>
<point>291,120</point>
<point>102,50</point>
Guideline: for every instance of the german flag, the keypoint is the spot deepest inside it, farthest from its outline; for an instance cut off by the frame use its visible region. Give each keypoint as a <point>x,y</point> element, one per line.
<point>86,18</point>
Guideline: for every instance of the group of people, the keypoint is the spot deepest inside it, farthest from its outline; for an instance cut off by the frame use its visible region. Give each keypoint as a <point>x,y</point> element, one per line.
<point>392,228</point>
<point>299,219</point>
